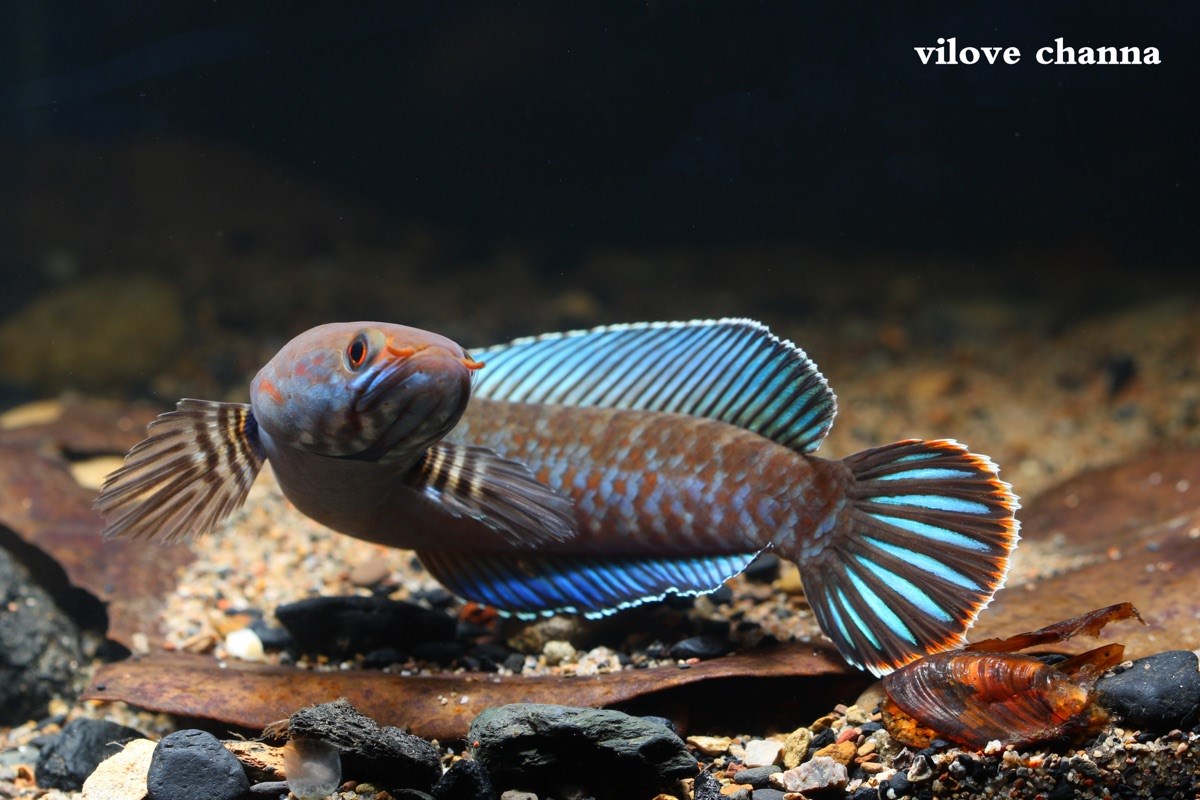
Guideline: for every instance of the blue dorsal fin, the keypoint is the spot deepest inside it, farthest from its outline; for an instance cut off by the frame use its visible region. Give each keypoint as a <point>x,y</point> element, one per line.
<point>529,585</point>
<point>732,370</point>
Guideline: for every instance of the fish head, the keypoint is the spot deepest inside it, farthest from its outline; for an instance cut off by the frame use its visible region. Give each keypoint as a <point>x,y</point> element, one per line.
<point>366,390</point>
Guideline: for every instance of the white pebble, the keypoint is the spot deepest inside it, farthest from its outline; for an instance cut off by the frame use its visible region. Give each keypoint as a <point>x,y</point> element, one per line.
<point>244,644</point>
<point>762,752</point>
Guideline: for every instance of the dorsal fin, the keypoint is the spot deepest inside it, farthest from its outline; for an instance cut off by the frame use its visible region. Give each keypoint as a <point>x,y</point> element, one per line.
<point>732,370</point>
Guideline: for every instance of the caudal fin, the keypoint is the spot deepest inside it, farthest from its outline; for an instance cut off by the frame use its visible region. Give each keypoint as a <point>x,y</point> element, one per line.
<point>919,553</point>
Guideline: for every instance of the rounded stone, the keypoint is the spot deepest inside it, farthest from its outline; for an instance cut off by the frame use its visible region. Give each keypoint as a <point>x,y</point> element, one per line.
<point>192,765</point>
<point>1157,693</point>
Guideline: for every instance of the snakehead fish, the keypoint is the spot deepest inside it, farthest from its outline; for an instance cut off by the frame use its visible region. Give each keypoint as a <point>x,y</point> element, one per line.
<point>591,471</point>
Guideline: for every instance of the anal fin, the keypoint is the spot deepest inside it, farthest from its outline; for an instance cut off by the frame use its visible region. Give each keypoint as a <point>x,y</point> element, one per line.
<point>531,585</point>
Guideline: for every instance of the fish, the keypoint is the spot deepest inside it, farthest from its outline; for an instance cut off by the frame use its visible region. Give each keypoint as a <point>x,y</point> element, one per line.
<point>591,471</point>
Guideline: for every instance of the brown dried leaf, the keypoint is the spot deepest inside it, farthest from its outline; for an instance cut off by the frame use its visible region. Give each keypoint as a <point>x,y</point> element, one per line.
<point>253,696</point>
<point>1129,532</point>
<point>45,508</point>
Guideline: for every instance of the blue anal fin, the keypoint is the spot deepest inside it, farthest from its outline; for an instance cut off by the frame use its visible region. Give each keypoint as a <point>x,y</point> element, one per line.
<point>528,586</point>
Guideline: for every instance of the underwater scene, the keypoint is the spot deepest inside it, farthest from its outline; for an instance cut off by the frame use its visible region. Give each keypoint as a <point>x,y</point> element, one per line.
<point>599,401</point>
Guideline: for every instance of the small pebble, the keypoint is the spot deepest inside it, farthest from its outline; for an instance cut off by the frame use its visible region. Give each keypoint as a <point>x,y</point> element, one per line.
<point>757,777</point>
<point>761,752</point>
<point>819,772</point>
<point>1157,693</point>
<point>513,794</point>
<point>557,651</point>
<point>703,647</point>
<point>795,747</point>
<point>245,644</point>
<point>192,765</point>
<point>123,776</point>
<point>710,745</point>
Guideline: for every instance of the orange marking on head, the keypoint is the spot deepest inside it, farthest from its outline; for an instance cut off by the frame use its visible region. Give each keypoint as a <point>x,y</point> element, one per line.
<point>270,389</point>
<point>401,352</point>
<point>471,363</point>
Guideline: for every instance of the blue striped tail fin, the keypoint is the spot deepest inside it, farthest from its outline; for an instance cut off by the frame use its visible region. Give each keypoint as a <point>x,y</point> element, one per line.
<point>528,585</point>
<point>919,552</point>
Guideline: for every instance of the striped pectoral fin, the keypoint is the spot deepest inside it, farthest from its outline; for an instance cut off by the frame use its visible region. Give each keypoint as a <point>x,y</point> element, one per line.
<point>530,585</point>
<point>927,543</point>
<point>476,482</point>
<point>192,471</point>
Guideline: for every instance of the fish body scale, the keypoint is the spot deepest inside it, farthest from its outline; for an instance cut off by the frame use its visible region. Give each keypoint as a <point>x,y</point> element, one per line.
<point>646,482</point>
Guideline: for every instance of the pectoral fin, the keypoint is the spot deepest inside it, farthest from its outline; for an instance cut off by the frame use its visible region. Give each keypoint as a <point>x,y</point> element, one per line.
<point>192,472</point>
<point>477,483</point>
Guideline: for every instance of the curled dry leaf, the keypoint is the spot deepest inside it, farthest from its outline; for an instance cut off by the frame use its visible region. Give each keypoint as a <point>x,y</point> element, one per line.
<point>45,512</point>
<point>985,692</point>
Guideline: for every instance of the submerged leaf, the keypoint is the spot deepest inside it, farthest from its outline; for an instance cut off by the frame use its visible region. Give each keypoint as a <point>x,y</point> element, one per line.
<point>985,692</point>
<point>253,696</point>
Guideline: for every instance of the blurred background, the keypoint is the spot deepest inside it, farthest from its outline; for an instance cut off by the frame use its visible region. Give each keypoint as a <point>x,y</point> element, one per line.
<point>184,186</point>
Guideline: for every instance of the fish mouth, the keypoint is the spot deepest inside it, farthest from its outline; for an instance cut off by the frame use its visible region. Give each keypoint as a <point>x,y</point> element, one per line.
<point>413,399</point>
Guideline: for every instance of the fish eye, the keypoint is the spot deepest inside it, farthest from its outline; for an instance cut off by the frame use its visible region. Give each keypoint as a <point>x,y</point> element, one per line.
<point>356,353</point>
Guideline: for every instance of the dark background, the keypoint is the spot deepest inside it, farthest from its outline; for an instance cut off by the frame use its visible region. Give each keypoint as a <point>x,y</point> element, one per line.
<point>652,121</point>
<point>499,168</point>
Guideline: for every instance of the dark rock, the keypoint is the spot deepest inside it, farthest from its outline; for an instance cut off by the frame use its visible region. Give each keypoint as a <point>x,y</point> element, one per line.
<point>384,756</point>
<point>706,787</point>
<point>273,637</point>
<point>899,785</point>
<point>763,569</point>
<point>410,794</point>
<point>821,739</point>
<point>1158,693</point>
<point>707,646</point>
<point>515,662</point>
<point>342,626</point>
<point>193,765</point>
<point>39,646</point>
<point>721,596</point>
<point>383,657</point>
<point>68,758</point>
<point>666,723</point>
<point>544,747</point>
<point>757,776</point>
<point>443,653</point>
<point>465,780</point>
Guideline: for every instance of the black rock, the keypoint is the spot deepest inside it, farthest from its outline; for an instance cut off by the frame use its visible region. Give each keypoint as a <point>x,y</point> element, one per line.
<point>721,596</point>
<point>515,662</point>
<point>707,646</point>
<point>384,756</point>
<point>68,758</point>
<point>544,748</point>
<point>39,646</point>
<point>383,657</point>
<point>706,787</point>
<point>410,794</point>
<point>1158,693</point>
<point>763,569</point>
<point>193,765</point>
<point>899,785</point>
<point>443,653</point>
<point>342,626</point>
<point>273,637</point>
<point>758,777</point>
<point>465,780</point>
